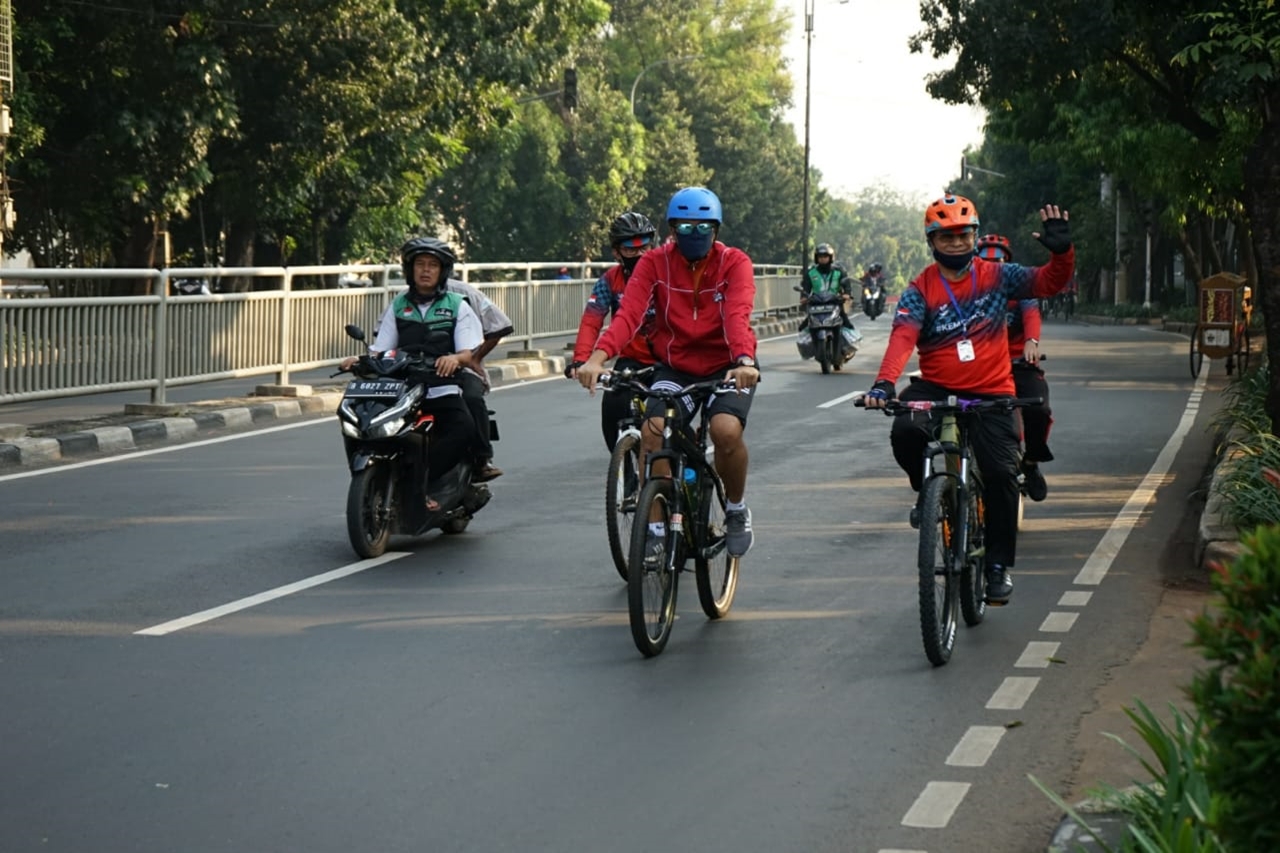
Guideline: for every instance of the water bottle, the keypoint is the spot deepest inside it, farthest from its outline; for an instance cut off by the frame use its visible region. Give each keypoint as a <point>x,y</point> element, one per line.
<point>690,476</point>
<point>691,487</point>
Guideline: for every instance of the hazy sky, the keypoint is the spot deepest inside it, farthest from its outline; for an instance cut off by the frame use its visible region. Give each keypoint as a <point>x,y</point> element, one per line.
<point>871,120</point>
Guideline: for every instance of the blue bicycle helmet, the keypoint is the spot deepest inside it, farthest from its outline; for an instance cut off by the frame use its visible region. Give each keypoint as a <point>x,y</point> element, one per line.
<point>696,203</point>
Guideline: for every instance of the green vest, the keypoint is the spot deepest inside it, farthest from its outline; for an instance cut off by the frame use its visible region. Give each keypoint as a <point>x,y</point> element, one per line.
<point>824,284</point>
<point>430,333</point>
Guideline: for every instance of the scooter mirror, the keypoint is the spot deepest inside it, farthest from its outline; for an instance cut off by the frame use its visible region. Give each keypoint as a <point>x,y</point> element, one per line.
<point>355,331</point>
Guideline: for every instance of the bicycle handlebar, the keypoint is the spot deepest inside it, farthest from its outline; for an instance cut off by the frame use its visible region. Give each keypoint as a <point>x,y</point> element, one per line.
<point>952,404</point>
<point>629,378</point>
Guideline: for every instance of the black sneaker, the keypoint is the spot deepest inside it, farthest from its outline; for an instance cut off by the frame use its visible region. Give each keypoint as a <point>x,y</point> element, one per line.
<point>1037,488</point>
<point>738,538</point>
<point>655,551</point>
<point>915,517</point>
<point>999,585</point>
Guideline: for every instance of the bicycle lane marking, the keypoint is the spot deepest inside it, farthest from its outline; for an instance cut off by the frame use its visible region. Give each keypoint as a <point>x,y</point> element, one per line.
<point>941,799</point>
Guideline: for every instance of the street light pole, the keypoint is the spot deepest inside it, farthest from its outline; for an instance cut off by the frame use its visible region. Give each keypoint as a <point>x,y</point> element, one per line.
<point>636,82</point>
<point>808,88</point>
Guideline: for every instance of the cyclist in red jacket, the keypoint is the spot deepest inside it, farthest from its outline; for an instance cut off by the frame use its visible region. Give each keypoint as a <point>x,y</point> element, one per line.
<point>702,293</point>
<point>954,313</point>
<point>630,235</point>
<point>1025,322</point>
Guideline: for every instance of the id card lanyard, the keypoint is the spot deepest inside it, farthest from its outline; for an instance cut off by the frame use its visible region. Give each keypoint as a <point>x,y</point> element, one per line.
<point>964,346</point>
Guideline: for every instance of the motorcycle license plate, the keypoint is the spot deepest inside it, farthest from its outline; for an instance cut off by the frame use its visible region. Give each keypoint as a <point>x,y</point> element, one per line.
<point>374,388</point>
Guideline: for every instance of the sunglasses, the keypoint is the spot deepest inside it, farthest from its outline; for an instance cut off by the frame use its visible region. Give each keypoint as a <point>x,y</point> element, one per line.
<point>684,229</point>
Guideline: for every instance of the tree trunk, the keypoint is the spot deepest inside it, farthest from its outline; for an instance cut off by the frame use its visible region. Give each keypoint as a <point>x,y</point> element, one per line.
<point>240,239</point>
<point>1262,203</point>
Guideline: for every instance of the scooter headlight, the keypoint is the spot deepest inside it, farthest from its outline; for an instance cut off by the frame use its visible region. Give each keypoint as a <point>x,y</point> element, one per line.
<point>388,423</point>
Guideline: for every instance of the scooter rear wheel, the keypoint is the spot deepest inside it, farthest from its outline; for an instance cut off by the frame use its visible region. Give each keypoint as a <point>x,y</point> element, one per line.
<point>369,515</point>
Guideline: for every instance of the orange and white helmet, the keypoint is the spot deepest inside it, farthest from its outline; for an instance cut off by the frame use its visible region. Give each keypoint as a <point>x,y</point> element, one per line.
<point>950,213</point>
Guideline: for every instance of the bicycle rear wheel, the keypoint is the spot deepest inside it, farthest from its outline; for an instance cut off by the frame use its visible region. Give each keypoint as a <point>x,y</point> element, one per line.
<point>715,571</point>
<point>973,579</point>
<point>651,591</point>
<point>1197,355</point>
<point>939,593</point>
<point>621,490</point>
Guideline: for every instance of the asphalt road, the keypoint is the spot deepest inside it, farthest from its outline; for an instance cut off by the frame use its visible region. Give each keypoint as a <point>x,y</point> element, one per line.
<point>481,692</point>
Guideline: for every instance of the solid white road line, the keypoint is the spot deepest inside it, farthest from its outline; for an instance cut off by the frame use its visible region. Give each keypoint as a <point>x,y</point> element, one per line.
<point>269,595</point>
<point>838,400</point>
<point>1058,622</point>
<point>975,748</point>
<point>1012,694</point>
<point>936,804</point>
<point>1075,598</point>
<point>1099,562</point>
<point>1036,655</point>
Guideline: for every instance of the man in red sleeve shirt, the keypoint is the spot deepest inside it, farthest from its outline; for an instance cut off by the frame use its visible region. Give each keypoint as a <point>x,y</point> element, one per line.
<point>954,313</point>
<point>702,293</point>
<point>630,236</point>
<point>1025,323</point>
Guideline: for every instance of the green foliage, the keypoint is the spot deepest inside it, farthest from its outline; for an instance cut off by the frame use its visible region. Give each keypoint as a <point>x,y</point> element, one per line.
<point>878,225</point>
<point>1238,694</point>
<point>1248,496</point>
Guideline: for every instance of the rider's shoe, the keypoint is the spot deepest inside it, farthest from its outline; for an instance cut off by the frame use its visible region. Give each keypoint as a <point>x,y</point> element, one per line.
<point>915,517</point>
<point>486,472</point>
<point>655,551</point>
<point>738,538</point>
<point>1037,488</point>
<point>999,585</point>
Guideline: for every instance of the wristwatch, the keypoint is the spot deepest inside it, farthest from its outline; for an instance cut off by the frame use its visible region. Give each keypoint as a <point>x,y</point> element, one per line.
<point>746,361</point>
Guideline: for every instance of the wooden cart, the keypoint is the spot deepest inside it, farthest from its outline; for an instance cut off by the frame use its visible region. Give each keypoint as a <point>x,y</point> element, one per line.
<point>1222,325</point>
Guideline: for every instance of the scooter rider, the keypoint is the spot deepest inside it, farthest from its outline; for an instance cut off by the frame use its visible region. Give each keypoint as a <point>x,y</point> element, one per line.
<point>496,325</point>
<point>954,313</point>
<point>826,276</point>
<point>630,236</point>
<point>872,282</point>
<point>431,319</point>
<point>1025,322</point>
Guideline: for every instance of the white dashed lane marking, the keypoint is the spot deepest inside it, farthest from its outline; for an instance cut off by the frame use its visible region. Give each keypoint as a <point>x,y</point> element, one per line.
<point>936,804</point>
<point>1074,598</point>
<point>975,748</point>
<point>1012,693</point>
<point>1037,655</point>
<point>1058,622</point>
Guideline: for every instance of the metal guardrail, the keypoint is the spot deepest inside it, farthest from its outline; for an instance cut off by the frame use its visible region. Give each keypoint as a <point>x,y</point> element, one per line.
<point>60,347</point>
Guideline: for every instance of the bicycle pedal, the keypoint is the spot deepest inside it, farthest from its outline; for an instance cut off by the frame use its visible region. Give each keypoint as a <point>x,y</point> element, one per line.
<point>991,602</point>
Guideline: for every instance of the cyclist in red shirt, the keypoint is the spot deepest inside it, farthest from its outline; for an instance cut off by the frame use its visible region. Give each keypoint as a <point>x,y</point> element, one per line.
<point>954,314</point>
<point>702,293</point>
<point>1024,322</point>
<point>630,236</point>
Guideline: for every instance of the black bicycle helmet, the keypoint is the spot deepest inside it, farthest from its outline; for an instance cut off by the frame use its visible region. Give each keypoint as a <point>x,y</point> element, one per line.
<point>632,229</point>
<point>875,269</point>
<point>437,249</point>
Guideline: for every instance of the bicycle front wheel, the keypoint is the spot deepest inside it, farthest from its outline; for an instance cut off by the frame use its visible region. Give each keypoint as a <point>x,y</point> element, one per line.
<point>620,493</point>
<point>939,593</point>
<point>715,571</point>
<point>973,579</point>
<point>651,588</point>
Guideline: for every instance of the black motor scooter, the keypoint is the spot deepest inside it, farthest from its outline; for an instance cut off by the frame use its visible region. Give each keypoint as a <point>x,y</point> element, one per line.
<point>387,438</point>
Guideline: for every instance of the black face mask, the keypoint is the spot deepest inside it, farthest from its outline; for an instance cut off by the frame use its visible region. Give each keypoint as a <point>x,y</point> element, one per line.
<point>955,262</point>
<point>628,264</point>
<point>824,266</point>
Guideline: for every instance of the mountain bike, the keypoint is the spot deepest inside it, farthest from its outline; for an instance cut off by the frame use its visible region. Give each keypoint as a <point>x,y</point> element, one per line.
<point>951,559</point>
<point>690,501</point>
<point>622,485</point>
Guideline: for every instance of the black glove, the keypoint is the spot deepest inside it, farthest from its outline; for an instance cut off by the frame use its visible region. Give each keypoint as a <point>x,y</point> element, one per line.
<point>884,390</point>
<point>1056,235</point>
<point>570,367</point>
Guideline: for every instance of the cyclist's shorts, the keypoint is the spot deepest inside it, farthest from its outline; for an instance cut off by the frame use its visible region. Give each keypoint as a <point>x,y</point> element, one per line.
<point>737,405</point>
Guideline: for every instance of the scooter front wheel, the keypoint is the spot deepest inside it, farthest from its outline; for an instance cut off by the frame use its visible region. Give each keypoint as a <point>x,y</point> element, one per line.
<point>369,513</point>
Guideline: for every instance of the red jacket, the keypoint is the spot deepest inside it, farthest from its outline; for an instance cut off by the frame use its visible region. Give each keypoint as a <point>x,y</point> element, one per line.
<point>702,311</point>
<point>605,300</point>
<point>935,315</point>
<point>1024,322</point>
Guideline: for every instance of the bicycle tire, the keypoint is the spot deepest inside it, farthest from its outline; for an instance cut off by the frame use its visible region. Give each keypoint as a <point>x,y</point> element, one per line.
<point>715,571</point>
<point>651,595</point>
<point>1197,355</point>
<point>939,595</point>
<point>973,578</point>
<point>619,500</point>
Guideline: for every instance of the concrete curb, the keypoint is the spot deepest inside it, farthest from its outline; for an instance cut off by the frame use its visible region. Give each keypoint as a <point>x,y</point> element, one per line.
<point>197,420</point>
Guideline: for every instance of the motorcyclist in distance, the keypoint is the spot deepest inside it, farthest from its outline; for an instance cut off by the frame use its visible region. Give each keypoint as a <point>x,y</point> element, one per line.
<point>826,276</point>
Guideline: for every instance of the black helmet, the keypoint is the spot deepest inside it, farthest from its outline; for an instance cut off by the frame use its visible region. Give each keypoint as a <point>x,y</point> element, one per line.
<point>875,269</point>
<point>437,249</point>
<point>824,249</point>
<point>632,228</point>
